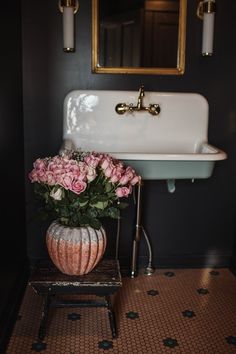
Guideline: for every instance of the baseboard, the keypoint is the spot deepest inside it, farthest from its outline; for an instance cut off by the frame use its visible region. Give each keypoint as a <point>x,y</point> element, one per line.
<point>174,261</point>
<point>182,261</point>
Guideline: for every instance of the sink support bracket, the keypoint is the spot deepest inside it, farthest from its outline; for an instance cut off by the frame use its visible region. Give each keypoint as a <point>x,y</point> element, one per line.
<point>171,185</point>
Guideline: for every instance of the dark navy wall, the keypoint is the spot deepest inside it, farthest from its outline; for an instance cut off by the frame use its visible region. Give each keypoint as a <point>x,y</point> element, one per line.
<point>13,236</point>
<point>196,224</point>
<point>13,256</point>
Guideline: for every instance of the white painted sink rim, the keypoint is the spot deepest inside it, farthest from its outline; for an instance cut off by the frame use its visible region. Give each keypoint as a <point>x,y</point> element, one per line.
<point>206,152</point>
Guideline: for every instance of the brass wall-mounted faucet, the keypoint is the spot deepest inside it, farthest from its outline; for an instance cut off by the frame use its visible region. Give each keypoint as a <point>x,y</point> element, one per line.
<point>153,108</point>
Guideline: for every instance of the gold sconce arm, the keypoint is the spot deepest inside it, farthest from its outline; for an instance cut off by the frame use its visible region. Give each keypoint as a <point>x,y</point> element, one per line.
<point>205,7</point>
<point>68,3</point>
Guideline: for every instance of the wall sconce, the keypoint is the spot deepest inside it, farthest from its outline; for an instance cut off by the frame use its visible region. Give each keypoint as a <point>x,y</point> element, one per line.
<point>68,8</point>
<point>206,12</point>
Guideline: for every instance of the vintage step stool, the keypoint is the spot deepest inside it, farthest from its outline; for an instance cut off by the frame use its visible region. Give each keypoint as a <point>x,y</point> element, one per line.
<point>104,280</point>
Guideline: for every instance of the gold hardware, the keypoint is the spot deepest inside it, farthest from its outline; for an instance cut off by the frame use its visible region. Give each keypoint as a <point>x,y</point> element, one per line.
<point>68,3</point>
<point>207,54</point>
<point>140,97</point>
<point>68,50</point>
<point>153,108</point>
<point>206,7</point>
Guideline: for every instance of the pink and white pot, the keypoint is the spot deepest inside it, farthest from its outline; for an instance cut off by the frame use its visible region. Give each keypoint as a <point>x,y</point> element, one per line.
<point>75,250</point>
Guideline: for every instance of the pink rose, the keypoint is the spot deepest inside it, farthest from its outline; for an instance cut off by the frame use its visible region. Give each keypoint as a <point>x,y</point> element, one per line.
<point>40,164</point>
<point>123,191</point>
<point>66,180</point>
<point>91,174</point>
<point>50,178</point>
<point>53,166</point>
<point>114,178</point>
<point>135,180</point>
<point>119,165</point>
<point>42,177</point>
<point>72,166</point>
<point>33,176</point>
<point>127,176</point>
<point>82,168</point>
<point>78,186</point>
<point>92,160</point>
<point>124,179</point>
<point>108,171</point>
<point>105,162</point>
<point>58,171</point>
<point>116,175</point>
<point>81,172</point>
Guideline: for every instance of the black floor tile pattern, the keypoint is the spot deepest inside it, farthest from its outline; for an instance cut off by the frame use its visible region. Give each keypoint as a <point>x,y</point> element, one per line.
<point>186,311</point>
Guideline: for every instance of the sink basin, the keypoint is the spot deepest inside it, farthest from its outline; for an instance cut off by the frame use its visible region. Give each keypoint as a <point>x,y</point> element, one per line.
<point>172,145</point>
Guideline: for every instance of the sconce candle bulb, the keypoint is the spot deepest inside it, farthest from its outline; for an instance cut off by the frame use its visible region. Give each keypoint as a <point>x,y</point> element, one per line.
<point>206,11</point>
<point>208,27</point>
<point>68,9</point>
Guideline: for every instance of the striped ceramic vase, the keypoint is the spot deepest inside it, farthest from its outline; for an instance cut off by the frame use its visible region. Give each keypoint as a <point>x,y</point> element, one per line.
<point>75,250</point>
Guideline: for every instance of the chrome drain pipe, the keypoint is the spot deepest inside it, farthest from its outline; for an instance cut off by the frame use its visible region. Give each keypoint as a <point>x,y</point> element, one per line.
<point>137,233</point>
<point>149,270</point>
<point>138,227</point>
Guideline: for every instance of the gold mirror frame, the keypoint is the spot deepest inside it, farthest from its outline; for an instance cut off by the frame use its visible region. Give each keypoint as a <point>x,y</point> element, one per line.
<point>178,70</point>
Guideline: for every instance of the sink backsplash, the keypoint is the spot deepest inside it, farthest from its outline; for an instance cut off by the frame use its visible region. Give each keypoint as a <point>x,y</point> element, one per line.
<point>92,124</point>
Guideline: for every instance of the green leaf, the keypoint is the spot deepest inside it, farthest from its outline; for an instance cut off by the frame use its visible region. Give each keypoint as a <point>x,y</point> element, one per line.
<point>94,199</point>
<point>100,205</point>
<point>84,220</point>
<point>71,195</point>
<point>74,204</point>
<point>97,189</point>
<point>113,212</point>
<point>108,187</point>
<point>93,213</point>
<point>82,204</point>
<point>102,198</point>
<point>95,223</point>
<point>64,221</point>
<point>83,198</point>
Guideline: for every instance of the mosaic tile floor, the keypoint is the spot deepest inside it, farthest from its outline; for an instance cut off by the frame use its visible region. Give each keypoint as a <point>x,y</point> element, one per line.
<point>187,311</point>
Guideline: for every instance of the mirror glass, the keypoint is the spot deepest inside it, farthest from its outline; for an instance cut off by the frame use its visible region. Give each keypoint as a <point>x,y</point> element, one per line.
<point>139,36</point>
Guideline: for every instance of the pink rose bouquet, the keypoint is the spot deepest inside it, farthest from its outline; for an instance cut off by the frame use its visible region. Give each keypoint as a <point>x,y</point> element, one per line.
<point>79,188</point>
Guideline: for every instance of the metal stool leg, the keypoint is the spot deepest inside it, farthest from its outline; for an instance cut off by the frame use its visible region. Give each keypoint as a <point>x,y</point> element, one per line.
<point>44,317</point>
<point>112,318</point>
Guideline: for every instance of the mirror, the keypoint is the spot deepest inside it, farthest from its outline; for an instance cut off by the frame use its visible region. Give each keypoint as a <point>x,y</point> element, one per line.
<point>139,36</point>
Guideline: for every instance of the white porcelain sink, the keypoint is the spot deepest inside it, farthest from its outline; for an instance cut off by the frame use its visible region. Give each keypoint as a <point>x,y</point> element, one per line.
<point>171,145</point>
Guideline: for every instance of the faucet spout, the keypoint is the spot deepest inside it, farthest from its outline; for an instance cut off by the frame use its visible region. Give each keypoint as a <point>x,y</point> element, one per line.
<point>154,109</point>
<point>140,98</point>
